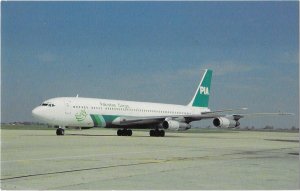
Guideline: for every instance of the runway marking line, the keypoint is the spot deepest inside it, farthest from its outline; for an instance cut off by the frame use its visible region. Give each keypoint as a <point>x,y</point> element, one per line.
<point>85,156</point>
<point>76,170</point>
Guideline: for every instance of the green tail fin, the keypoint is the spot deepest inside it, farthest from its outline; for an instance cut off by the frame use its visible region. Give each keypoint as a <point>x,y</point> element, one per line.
<point>201,96</point>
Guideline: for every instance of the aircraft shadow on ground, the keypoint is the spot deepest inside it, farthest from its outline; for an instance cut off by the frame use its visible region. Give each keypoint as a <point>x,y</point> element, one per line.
<point>90,135</point>
<point>99,135</point>
<point>167,136</point>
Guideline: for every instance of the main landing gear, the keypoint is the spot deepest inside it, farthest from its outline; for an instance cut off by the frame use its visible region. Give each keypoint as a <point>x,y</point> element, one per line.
<point>60,131</point>
<point>124,132</point>
<point>157,133</point>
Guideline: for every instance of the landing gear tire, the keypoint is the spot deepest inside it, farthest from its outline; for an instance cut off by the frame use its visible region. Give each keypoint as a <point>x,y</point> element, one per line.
<point>119,132</point>
<point>129,132</point>
<point>151,133</point>
<point>60,131</point>
<point>124,132</point>
<point>157,133</point>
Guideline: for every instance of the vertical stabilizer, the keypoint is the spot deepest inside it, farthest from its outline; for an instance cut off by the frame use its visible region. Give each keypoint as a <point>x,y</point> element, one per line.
<point>201,96</point>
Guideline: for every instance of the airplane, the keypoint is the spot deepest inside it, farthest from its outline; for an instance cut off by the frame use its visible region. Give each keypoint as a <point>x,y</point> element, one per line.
<point>68,112</point>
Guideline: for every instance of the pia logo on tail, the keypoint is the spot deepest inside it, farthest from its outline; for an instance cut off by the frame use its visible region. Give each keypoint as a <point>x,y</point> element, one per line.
<point>204,90</point>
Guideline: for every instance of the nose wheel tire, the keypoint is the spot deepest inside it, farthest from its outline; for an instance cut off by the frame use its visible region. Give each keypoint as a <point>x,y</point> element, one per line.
<point>124,132</point>
<point>157,133</point>
<point>60,131</point>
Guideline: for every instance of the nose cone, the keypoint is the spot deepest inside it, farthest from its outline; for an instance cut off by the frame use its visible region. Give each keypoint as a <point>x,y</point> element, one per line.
<point>43,114</point>
<point>36,113</point>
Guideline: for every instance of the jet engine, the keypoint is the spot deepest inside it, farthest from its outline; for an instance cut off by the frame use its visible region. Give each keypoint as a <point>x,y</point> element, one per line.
<point>175,125</point>
<point>223,122</point>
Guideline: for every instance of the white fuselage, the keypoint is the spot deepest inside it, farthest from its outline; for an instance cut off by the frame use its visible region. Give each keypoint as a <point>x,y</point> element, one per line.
<point>78,112</point>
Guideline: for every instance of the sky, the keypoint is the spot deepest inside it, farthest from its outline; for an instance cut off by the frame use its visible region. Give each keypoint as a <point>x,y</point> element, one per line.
<point>152,52</point>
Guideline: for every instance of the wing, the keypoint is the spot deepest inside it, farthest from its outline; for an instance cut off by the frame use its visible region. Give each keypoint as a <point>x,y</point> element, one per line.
<point>129,120</point>
<point>152,120</point>
<point>224,110</point>
<point>238,116</point>
<point>232,116</point>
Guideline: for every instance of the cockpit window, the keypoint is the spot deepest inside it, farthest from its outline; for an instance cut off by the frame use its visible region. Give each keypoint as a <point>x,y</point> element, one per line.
<point>48,104</point>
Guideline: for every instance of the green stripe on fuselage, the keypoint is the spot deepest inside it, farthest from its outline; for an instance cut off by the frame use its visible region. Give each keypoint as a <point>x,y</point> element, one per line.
<point>103,120</point>
<point>109,118</point>
<point>94,120</point>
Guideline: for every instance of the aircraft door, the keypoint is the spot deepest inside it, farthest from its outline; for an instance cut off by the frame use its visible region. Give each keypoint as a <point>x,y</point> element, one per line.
<point>68,107</point>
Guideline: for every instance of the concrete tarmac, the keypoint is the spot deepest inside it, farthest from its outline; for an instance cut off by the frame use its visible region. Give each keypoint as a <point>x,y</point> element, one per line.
<point>98,159</point>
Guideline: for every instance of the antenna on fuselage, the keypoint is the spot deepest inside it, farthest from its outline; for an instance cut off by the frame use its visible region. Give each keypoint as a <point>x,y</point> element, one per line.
<point>77,96</point>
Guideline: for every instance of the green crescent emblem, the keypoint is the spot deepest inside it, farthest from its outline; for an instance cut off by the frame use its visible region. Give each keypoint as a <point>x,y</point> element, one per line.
<point>80,116</point>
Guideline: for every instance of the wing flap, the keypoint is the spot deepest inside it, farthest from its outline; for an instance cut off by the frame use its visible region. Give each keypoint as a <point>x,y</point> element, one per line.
<point>224,110</point>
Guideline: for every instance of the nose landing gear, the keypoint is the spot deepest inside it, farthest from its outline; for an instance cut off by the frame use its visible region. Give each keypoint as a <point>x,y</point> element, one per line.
<point>60,131</point>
